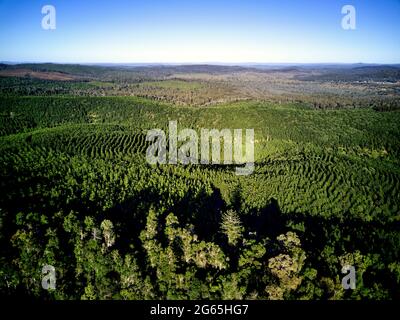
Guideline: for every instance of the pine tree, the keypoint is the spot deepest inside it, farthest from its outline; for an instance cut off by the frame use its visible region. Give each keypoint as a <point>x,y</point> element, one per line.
<point>232,227</point>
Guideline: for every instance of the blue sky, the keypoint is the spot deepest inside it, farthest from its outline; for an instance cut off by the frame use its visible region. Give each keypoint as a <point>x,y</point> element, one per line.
<point>275,31</point>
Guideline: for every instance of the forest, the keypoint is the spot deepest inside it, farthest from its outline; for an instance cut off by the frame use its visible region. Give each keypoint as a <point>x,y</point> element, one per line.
<point>78,194</point>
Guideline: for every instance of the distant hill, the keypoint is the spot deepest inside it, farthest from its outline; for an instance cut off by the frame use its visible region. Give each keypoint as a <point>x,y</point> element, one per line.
<point>141,72</point>
<point>384,73</point>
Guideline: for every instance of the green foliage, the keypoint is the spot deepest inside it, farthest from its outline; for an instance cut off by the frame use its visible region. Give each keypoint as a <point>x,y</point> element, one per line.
<point>232,227</point>
<point>286,267</point>
<point>78,194</point>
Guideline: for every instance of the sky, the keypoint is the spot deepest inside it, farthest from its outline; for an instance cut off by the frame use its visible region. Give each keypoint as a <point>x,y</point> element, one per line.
<point>200,31</point>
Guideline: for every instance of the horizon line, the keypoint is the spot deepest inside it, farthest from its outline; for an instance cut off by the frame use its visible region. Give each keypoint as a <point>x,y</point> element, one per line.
<point>197,63</point>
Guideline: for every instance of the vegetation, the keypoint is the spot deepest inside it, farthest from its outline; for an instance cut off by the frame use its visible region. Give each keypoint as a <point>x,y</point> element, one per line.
<point>78,194</point>
<point>318,87</point>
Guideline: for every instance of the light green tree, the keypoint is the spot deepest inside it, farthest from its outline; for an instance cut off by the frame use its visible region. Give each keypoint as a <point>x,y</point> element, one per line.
<point>108,233</point>
<point>286,267</point>
<point>232,227</point>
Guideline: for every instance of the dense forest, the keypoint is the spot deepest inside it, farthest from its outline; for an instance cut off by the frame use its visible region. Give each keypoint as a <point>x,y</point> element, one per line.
<point>78,194</point>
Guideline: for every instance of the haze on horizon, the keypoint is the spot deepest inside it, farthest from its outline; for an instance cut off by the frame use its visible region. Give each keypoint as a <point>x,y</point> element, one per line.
<point>226,32</point>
